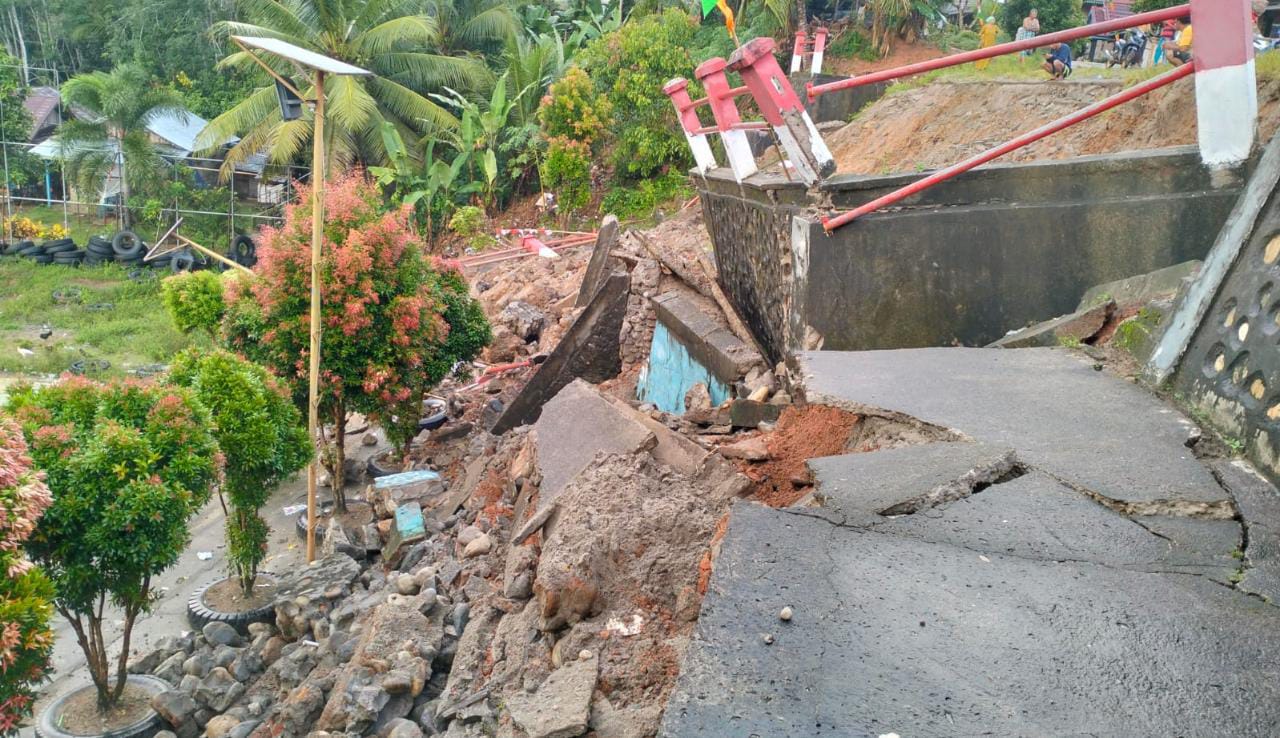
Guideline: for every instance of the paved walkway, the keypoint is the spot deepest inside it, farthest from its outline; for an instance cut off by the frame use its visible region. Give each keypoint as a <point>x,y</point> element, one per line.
<point>1070,569</point>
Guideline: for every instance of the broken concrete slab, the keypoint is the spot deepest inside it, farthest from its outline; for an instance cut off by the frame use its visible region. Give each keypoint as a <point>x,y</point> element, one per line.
<point>1036,517</point>
<point>1259,505</point>
<point>751,413</point>
<point>1091,430</point>
<point>861,488</point>
<point>561,708</point>
<point>1143,287</point>
<point>894,635</point>
<point>597,268</point>
<point>1067,330</point>
<point>710,343</point>
<point>577,424</point>
<point>589,350</point>
<point>408,527</point>
<point>393,490</point>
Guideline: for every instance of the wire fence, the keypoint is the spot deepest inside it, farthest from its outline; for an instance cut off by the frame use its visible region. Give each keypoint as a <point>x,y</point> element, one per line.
<point>213,206</point>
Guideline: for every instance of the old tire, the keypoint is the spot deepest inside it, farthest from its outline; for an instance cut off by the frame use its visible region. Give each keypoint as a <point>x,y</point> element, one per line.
<point>59,245</point>
<point>200,614</point>
<point>243,251</point>
<point>127,245</point>
<point>379,468</point>
<point>144,727</point>
<point>438,413</point>
<point>183,261</point>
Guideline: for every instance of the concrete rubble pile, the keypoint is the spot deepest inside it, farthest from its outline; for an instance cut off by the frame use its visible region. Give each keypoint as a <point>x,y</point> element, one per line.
<point>543,582</point>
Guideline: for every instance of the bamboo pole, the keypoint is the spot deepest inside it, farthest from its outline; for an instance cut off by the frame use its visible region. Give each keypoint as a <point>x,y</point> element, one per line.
<point>213,254</point>
<point>313,378</point>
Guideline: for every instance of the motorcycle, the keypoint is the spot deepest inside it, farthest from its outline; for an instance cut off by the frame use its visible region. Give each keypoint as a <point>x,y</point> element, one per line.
<point>1128,49</point>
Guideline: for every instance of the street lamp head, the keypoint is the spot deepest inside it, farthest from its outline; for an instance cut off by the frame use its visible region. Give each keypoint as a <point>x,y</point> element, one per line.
<point>290,104</point>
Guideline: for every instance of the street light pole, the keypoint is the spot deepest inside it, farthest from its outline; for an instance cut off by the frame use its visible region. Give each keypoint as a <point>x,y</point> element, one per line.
<point>317,236</point>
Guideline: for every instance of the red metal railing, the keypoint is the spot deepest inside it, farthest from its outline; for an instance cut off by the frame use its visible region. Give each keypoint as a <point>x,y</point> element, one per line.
<point>1071,34</point>
<point>1186,70</point>
<point>830,223</point>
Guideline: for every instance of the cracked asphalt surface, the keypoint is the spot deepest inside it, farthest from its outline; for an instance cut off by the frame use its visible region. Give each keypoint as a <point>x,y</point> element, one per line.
<point>1016,597</point>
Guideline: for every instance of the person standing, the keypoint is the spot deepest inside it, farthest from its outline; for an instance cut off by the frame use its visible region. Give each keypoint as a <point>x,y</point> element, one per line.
<point>1030,28</point>
<point>987,37</point>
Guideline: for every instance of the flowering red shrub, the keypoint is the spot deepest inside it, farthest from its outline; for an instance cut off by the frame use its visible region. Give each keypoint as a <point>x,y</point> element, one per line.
<point>387,312</point>
<point>127,463</point>
<point>25,592</point>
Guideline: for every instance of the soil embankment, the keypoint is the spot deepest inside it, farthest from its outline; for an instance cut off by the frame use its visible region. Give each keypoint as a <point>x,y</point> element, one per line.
<point>944,122</point>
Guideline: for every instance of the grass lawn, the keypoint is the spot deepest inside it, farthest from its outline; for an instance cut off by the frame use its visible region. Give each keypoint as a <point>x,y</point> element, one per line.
<point>113,318</point>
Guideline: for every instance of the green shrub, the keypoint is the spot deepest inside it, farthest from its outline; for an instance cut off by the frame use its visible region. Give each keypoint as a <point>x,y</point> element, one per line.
<point>262,437</point>
<point>194,301</point>
<point>470,223</point>
<point>567,172</point>
<point>1055,15</point>
<point>639,200</point>
<point>25,592</point>
<point>571,109</point>
<point>128,464</point>
<point>852,44</point>
<point>628,68</point>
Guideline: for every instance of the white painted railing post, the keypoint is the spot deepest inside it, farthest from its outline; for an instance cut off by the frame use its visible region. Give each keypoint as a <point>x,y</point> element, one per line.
<point>1226,89</point>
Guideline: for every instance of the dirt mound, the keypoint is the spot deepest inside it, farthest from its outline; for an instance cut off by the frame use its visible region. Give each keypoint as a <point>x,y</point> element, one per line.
<point>944,122</point>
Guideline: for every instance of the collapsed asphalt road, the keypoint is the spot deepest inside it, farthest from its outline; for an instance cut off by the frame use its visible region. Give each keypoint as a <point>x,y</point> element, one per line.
<point>1073,570</point>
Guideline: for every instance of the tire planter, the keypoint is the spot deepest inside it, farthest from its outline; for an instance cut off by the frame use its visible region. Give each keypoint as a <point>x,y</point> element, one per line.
<point>378,468</point>
<point>200,614</point>
<point>300,524</point>
<point>127,245</point>
<point>144,727</point>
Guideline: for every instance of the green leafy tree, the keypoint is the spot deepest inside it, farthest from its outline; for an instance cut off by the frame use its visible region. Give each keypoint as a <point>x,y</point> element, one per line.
<point>1055,15</point>
<point>194,301</point>
<point>411,47</point>
<point>384,312</point>
<point>567,172</point>
<point>629,67</point>
<point>128,464</point>
<point>263,440</point>
<point>25,592</point>
<point>120,104</point>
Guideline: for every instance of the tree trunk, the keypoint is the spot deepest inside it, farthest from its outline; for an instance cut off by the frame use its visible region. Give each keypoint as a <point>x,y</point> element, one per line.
<point>337,475</point>
<point>124,186</point>
<point>22,44</point>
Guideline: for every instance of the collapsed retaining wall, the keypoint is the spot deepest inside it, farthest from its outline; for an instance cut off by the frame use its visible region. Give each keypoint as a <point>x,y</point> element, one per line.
<point>963,263</point>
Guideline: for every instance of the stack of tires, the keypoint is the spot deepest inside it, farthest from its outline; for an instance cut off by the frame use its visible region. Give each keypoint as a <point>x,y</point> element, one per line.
<point>128,248</point>
<point>63,251</point>
<point>98,251</point>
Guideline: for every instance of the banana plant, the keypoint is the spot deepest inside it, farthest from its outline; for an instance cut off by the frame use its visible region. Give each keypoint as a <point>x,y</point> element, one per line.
<point>425,187</point>
<point>480,133</point>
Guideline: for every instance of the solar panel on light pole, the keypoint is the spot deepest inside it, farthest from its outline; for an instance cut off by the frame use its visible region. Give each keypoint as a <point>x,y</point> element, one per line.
<point>319,65</point>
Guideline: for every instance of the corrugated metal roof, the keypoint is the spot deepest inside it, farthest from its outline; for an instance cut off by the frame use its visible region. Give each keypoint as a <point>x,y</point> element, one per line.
<point>40,103</point>
<point>177,129</point>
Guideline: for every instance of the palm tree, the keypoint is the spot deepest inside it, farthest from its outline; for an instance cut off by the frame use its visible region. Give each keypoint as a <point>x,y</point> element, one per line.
<point>412,47</point>
<point>111,129</point>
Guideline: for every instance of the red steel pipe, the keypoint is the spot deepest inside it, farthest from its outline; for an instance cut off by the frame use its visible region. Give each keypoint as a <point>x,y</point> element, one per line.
<point>1155,83</point>
<point>732,93</point>
<point>746,125</point>
<point>1071,34</point>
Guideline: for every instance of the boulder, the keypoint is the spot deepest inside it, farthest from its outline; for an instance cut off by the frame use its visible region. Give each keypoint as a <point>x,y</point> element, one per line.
<point>750,449</point>
<point>524,320</point>
<point>218,690</point>
<point>220,726</point>
<point>175,707</point>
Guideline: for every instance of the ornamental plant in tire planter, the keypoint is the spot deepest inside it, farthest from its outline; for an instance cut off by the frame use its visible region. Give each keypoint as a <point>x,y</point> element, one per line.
<point>385,312</point>
<point>128,463</point>
<point>25,592</point>
<point>263,442</point>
